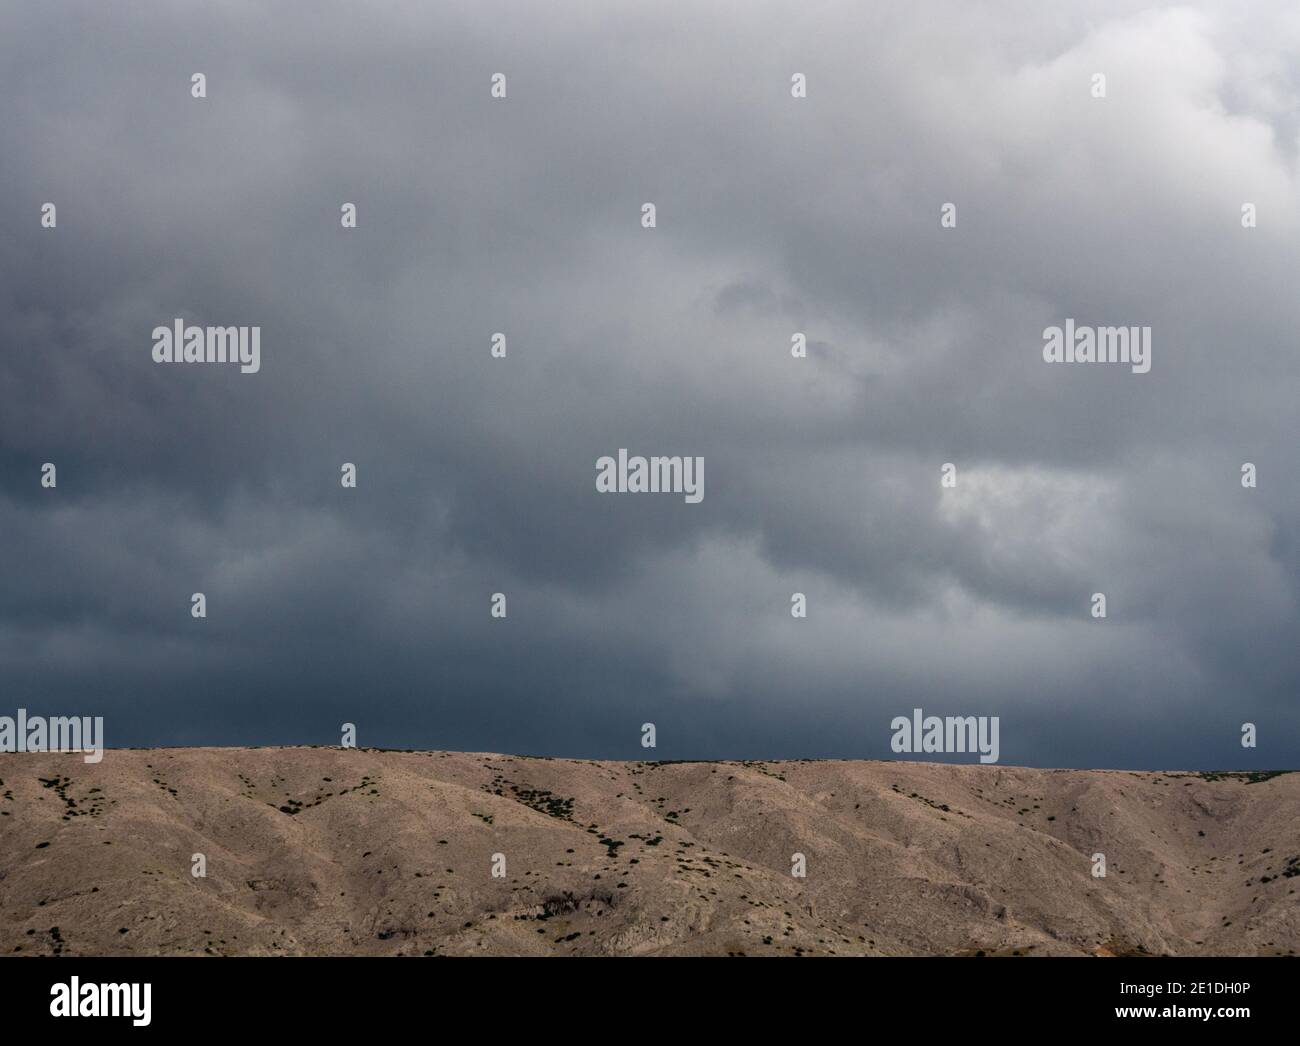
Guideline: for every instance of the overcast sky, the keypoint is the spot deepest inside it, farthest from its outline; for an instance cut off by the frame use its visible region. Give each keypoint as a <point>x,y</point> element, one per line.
<point>774,215</point>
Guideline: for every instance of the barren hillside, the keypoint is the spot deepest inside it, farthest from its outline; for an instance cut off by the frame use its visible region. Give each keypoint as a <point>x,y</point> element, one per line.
<point>329,851</point>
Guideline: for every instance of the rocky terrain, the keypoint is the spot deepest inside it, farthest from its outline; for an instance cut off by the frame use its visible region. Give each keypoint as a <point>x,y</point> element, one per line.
<point>331,851</point>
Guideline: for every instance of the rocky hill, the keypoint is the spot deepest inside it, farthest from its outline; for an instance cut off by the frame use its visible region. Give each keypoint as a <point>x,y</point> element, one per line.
<point>331,851</point>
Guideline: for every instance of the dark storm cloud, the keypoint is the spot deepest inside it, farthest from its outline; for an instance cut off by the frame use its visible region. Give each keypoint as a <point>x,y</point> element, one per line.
<point>775,215</point>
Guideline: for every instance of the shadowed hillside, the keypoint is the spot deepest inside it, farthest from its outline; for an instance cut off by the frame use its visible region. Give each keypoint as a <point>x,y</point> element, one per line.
<point>330,851</point>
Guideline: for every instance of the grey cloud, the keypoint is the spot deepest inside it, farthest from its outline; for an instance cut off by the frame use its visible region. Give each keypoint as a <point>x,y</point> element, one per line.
<point>822,474</point>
